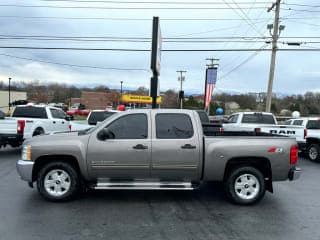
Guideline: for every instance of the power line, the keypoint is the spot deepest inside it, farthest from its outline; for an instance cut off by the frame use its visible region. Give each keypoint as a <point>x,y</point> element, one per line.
<point>243,62</point>
<point>300,10</point>
<point>148,50</point>
<point>147,19</point>
<point>131,41</point>
<point>130,38</point>
<point>305,23</point>
<point>246,19</point>
<point>149,38</point>
<point>120,8</point>
<point>75,65</point>
<point>302,5</point>
<point>145,2</point>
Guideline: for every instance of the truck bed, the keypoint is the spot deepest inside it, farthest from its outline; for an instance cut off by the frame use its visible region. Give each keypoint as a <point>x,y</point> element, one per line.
<point>246,145</point>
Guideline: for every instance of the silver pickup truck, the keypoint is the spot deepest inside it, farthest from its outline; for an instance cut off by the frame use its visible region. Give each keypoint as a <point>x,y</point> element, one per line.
<point>156,149</point>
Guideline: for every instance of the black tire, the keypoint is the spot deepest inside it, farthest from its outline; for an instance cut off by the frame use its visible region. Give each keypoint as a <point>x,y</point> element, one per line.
<point>247,193</point>
<point>72,180</point>
<point>37,132</point>
<point>313,152</point>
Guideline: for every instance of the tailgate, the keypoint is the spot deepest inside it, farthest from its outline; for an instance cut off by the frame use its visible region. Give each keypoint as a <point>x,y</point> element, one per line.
<point>286,130</point>
<point>8,126</point>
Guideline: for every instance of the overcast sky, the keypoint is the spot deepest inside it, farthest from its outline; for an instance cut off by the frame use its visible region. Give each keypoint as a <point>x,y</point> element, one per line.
<point>296,72</point>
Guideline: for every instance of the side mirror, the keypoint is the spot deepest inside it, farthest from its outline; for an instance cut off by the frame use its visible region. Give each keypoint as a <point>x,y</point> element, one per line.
<point>105,134</point>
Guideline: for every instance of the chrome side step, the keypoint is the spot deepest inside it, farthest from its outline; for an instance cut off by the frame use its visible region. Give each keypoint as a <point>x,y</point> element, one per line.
<point>145,185</point>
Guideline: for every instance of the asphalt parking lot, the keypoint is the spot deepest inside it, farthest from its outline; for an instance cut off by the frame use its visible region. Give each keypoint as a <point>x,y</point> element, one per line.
<point>292,212</point>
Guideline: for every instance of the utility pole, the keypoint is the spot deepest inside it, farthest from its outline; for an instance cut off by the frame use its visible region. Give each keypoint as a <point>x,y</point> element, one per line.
<point>181,80</point>
<point>275,37</point>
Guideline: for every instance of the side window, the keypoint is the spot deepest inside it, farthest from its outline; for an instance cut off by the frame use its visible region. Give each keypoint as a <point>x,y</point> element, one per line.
<point>132,126</point>
<point>57,113</point>
<point>173,126</point>
<point>297,122</point>
<point>233,118</point>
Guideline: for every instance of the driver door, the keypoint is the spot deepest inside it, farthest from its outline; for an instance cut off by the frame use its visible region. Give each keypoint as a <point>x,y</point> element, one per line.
<point>126,154</point>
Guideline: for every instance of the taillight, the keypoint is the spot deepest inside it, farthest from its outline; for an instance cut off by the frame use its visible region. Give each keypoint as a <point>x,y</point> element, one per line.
<point>20,127</point>
<point>294,154</point>
<point>257,130</point>
<point>305,133</point>
<point>221,129</point>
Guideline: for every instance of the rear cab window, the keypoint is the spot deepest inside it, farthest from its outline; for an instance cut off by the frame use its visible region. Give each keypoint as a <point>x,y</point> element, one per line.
<point>30,112</point>
<point>297,122</point>
<point>313,124</point>
<point>173,126</point>
<point>258,118</point>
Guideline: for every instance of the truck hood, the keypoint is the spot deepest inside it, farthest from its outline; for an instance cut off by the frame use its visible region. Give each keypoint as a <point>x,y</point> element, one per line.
<point>54,139</point>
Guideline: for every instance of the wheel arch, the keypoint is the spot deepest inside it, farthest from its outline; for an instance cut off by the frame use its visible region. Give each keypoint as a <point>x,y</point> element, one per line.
<point>261,163</point>
<point>312,140</point>
<point>43,160</point>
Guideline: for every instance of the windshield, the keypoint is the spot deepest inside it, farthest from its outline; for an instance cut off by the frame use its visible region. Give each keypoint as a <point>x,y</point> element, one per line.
<point>90,130</point>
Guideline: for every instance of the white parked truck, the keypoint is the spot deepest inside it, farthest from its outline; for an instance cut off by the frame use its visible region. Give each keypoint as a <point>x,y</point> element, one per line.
<point>30,120</point>
<point>265,122</point>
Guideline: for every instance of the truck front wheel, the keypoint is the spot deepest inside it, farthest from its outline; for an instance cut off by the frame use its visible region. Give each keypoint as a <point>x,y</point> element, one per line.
<point>313,152</point>
<point>245,185</point>
<point>58,181</point>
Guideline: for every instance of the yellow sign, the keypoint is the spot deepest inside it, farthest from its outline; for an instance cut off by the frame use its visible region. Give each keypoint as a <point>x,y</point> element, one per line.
<point>129,98</point>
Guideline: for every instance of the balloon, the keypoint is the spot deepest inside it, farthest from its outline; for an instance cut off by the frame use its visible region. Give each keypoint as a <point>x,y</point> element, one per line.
<point>219,111</point>
<point>295,114</point>
<point>121,107</point>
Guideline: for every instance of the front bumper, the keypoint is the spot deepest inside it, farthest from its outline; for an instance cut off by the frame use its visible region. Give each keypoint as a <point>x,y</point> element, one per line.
<point>294,173</point>
<point>24,169</point>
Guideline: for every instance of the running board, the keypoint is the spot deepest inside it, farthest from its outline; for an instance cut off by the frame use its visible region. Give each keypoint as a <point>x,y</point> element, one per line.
<point>145,185</point>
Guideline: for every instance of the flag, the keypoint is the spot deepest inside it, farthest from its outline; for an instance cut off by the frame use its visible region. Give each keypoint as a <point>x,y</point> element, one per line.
<point>210,84</point>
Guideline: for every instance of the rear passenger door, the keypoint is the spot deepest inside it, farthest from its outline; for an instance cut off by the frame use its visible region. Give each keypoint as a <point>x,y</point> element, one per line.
<point>175,147</point>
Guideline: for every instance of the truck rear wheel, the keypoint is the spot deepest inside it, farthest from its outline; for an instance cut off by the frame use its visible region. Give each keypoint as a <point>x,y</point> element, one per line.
<point>245,185</point>
<point>37,132</point>
<point>313,152</point>
<point>58,181</point>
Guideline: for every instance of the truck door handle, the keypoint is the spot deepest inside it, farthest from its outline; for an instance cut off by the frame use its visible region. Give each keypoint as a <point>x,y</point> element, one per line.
<point>140,146</point>
<point>188,146</point>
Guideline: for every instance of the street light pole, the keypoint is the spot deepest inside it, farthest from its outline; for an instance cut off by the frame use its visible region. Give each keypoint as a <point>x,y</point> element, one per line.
<point>9,94</point>
<point>181,79</point>
<point>121,82</point>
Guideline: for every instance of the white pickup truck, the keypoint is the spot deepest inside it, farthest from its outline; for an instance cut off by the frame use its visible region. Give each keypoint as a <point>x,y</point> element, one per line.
<point>31,120</point>
<point>264,122</point>
<point>312,143</point>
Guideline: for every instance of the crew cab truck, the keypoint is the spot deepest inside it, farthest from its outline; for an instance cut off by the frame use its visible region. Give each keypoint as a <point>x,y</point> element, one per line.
<point>156,149</point>
<point>30,120</point>
<point>267,123</point>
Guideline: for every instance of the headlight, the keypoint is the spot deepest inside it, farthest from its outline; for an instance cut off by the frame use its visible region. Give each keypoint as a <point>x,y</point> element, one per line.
<point>26,153</point>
